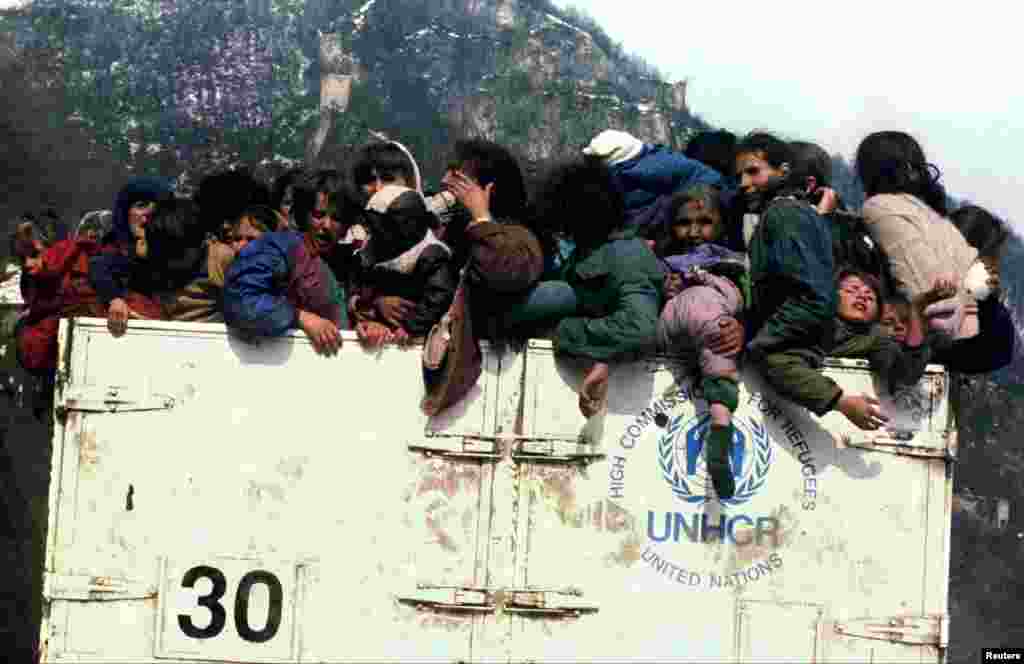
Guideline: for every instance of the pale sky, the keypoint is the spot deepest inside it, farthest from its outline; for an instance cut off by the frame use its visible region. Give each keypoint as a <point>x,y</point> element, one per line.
<point>832,73</point>
<point>946,73</point>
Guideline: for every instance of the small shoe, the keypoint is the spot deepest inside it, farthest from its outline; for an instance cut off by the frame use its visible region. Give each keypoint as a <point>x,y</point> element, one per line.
<point>717,446</point>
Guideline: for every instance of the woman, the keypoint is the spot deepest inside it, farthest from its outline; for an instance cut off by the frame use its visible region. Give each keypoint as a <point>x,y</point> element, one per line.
<point>905,212</point>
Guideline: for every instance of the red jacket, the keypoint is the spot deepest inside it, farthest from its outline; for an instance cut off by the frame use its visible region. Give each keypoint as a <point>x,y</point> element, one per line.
<point>60,288</point>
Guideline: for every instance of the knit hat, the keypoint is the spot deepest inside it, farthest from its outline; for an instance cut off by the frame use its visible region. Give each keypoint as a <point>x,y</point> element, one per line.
<point>614,146</point>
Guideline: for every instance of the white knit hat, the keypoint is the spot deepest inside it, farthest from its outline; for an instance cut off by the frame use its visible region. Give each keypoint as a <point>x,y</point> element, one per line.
<point>614,146</point>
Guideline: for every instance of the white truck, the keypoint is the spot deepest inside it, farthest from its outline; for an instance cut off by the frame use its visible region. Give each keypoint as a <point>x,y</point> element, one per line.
<point>216,500</point>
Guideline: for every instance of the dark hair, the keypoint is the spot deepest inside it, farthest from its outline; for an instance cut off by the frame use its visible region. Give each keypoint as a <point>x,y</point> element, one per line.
<point>325,181</point>
<point>264,217</point>
<point>983,230</point>
<point>382,160</point>
<point>895,297</point>
<point>174,227</point>
<point>892,162</point>
<point>489,162</point>
<point>717,149</point>
<point>221,197</point>
<point>281,184</point>
<point>708,194</point>
<point>400,227</point>
<point>774,150</point>
<point>810,160</point>
<point>870,280</point>
<point>582,199</point>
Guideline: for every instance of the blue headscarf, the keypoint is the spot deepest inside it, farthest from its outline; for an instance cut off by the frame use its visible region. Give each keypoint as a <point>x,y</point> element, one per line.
<point>141,188</point>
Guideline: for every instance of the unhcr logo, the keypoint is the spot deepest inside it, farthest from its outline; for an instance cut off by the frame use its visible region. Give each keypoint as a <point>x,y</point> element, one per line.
<point>683,462</point>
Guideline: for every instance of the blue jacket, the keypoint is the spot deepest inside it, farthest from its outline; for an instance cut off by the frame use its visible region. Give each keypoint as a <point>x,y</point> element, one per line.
<point>657,171</point>
<point>273,278</point>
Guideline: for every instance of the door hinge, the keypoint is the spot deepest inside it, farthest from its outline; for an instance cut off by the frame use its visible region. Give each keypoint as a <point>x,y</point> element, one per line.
<point>450,598</point>
<point>536,602</point>
<point>88,588</point>
<point>567,603</point>
<point>897,444</point>
<point>521,449</point>
<point>912,630</point>
<point>555,451</point>
<point>111,399</point>
<point>481,448</point>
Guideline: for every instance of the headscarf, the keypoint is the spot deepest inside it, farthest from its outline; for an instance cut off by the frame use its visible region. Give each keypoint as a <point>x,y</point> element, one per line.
<point>142,188</point>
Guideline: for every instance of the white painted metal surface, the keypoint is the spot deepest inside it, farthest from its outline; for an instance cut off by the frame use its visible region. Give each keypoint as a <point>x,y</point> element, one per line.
<point>263,504</point>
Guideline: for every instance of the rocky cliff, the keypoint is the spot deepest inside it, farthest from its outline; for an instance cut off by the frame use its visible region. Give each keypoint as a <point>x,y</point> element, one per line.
<point>516,71</point>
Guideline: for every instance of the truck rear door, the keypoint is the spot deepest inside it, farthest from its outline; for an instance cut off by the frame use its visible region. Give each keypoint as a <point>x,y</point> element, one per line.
<point>835,547</point>
<point>215,500</point>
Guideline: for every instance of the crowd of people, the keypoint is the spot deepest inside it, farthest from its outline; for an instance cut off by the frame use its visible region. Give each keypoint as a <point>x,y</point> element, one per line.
<point>735,252</point>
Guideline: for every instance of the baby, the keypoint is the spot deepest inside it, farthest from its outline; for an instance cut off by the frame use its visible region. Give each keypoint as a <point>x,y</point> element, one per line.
<point>706,285</point>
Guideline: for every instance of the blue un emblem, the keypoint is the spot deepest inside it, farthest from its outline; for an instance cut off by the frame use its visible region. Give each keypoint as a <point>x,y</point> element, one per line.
<point>681,457</point>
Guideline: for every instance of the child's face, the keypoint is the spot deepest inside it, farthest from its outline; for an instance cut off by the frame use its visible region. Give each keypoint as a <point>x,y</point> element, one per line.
<point>378,182</point>
<point>894,320</point>
<point>326,230</point>
<point>696,224</point>
<point>244,233</point>
<point>29,249</point>
<point>754,173</point>
<point>139,215</point>
<point>287,201</point>
<point>857,301</point>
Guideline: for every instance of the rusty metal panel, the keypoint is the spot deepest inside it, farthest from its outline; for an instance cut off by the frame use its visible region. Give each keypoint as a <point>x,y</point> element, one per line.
<point>278,510</point>
<point>291,516</point>
<point>643,537</point>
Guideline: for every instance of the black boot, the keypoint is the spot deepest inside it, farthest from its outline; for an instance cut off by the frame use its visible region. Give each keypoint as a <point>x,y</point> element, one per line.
<point>717,448</point>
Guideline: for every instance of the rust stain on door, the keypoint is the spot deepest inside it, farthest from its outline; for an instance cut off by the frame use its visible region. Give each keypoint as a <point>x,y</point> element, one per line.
<point>88,450</point>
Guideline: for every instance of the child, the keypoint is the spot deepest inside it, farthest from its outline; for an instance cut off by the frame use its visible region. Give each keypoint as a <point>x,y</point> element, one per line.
<point>280,281</point>
<point>254,221</point>
<point>993,347</point>
<point>796,373</point>
<point>191,269</point>
<point>988,234</point>
<point>711,283</point>
<point>402,258</point>
<point>613,277</point>
<point>54,284</point>
<point>895,317</point>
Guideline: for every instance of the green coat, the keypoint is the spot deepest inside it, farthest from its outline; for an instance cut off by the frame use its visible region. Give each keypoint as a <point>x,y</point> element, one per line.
<point>619,288</point>
<point>796,373</point>
<point>792,279</point>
